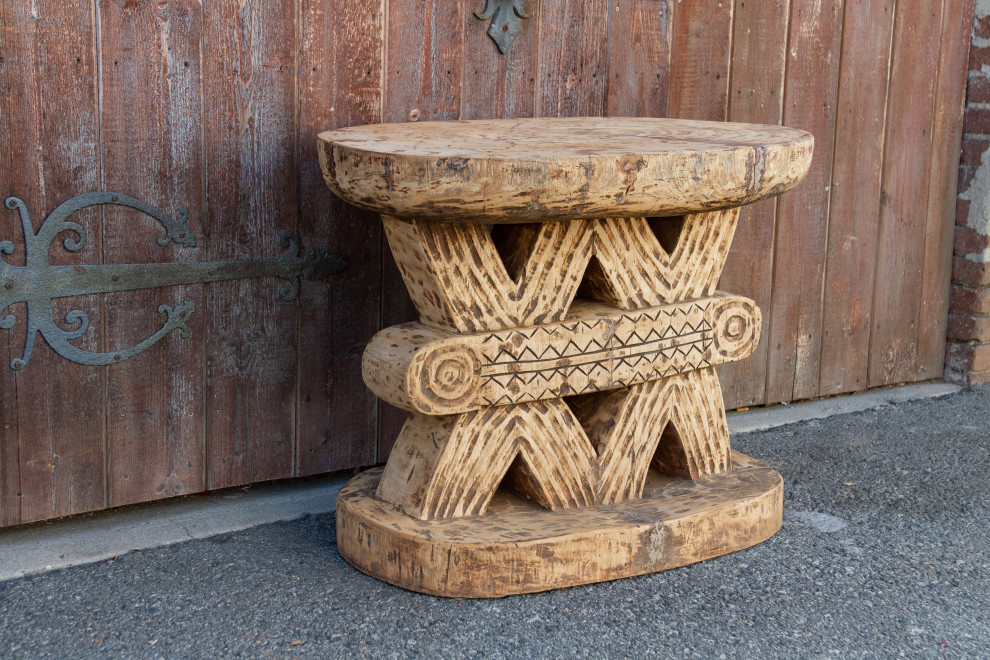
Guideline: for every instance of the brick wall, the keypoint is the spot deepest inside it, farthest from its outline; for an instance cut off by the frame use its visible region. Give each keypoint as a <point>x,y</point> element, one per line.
<point>967,358</point>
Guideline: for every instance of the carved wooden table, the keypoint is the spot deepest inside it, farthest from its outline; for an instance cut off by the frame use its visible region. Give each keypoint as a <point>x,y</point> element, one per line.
<point>567,424</point>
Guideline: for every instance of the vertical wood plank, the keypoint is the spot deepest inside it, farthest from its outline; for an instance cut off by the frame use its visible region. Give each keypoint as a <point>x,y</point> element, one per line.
<point>950,97</point>
<point>759,45</point>
<point>151,115</point>
<point>250,178</point>
<point>700,49</point>
<point>810,89</point>
<point>861,117</point>
<point>52,445</point>
<point>639,59</point>
<point>498,84</point>
<point>425,56</point>
<point>572,64</point>
<point>425,74</point>
<point>904,193</point>
<point>340,84</point>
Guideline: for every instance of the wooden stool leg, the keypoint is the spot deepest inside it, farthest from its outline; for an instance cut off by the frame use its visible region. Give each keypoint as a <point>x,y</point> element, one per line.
<point>638,272</point>
<point>444,467</point>
<point>457,279</point>
<point>676,425</point>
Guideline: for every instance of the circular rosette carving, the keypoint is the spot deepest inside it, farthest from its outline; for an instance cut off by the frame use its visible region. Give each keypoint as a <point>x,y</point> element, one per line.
<point>448,375</point>
<point>736,330</point>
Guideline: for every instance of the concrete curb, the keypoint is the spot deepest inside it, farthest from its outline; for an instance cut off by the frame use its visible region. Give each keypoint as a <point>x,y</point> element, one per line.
<point>83,540</point>
<point>761,419</point>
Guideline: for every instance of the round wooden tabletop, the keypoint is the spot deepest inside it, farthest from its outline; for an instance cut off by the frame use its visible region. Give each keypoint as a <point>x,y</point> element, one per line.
<point>529,170</point>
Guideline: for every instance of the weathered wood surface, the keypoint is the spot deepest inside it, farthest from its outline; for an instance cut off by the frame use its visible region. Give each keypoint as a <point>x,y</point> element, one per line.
<point>424,369</point>
<point>519,547</point>
<point>597,453</point>
<point>905,187</point>
<point>861,118</point>
<point>502,341</point>
<point>52,433</point>
<point>453,171</point>
<point>756,95</point>
<point>273,76</point>
<point>795,314</point>
<point>466,277</point>
<point>336,86</point>
<point>157,399</point>
<point>250,356</point>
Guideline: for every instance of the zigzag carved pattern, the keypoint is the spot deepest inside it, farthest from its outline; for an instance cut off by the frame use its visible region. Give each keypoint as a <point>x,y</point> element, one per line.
<point>641,273</point>
<point>457,279</point>
<point>450,466</point>
<point>625,427</point>
<point>638,346</point>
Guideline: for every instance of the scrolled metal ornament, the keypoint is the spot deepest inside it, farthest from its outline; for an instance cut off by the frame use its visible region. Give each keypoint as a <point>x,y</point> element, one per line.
<point>504,27</point>
<point>38,283</point>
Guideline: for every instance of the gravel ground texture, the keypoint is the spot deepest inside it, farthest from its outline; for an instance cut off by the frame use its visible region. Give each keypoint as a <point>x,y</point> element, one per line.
<point>883,554</point>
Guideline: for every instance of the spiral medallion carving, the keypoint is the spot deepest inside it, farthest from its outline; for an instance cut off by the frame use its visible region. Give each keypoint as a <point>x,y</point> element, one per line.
<point>736,329</point>
<point>449,374</point>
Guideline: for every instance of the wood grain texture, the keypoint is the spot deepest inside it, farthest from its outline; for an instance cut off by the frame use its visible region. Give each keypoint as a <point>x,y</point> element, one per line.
<point>700,59</point>
<point>638,58</point>
<point>450,466</point>
<point>339,83</point>
<point>249,105</point>
<point>518,547</point>
<point>453,171</point>
<point>500,85</point>
<point>794,332</point>
<point>904,194</point>
<point>435,372</point>
<point>458,279</point>
<point>258,119</point>
<point>424,74</point>
<point>861,118</point>
<point>52,460</point>
<point>572,70</point>
<point>151,87</point>
<point>936,267</point>
<point>757,91</point>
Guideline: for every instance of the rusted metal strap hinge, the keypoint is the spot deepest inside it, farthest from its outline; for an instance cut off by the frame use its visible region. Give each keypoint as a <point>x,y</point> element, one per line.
<point>37,283</point>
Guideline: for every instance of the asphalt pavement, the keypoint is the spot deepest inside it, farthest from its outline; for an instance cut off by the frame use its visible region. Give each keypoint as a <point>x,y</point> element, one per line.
<point>884,553</point>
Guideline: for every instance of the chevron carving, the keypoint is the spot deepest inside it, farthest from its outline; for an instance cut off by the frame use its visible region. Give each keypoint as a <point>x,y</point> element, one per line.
<point>565,359</point>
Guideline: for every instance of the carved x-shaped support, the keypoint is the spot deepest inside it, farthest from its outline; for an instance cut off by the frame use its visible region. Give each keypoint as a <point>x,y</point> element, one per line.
<point>501,343</point>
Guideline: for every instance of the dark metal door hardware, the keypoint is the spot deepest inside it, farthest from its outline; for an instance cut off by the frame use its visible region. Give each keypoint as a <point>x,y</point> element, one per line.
<point>38,282</point>
<point>504,27</point>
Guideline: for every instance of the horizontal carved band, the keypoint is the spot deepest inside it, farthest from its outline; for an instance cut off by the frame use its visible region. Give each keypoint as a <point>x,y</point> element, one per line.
<point>428,370</point>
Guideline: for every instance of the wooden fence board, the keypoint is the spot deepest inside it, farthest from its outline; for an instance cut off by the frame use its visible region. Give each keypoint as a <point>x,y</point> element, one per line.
<point>700,49</point>
<point>425,71</point>
<point>340,84</point>
<point>53,457</point>
<point>957,20</point>
<point>904,193</point>
<point>151,114</point>
<point>861,118</point>
<point>811,84</point>
<point>274,388</point>
<point>638,59</point>
<point>571,71</point>
<point>759,45</point>
<point>500,84</point>
<point>250,138</point>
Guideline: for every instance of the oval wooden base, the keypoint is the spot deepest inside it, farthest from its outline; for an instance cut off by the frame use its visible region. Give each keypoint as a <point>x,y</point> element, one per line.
<point>518,547</point>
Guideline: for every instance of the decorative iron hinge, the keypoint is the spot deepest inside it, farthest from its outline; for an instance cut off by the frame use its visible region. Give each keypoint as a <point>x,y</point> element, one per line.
<point>504,27</point>
<point>37,283</point>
